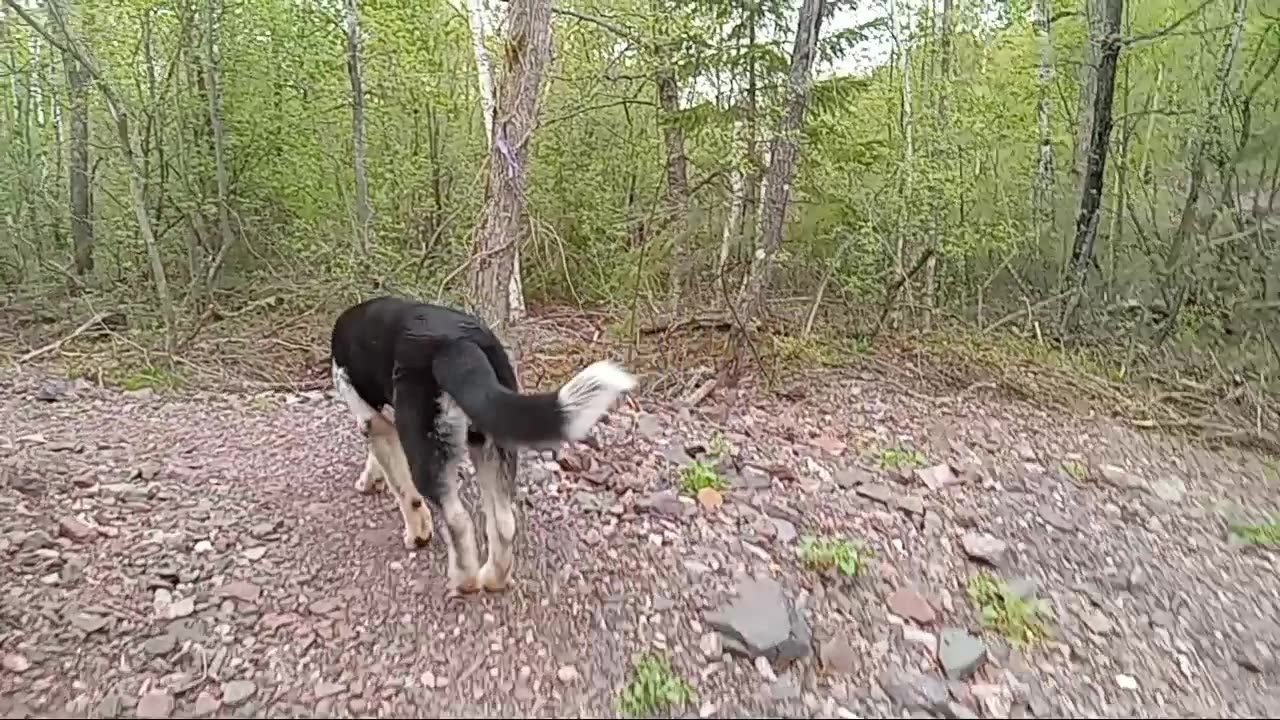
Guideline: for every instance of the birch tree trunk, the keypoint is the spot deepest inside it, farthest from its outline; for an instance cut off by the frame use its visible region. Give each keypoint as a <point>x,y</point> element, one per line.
<point>504,226</point>
<point>733,219</point>
<point>1108,42</point>
<point>782,162</point>
<point>484,76</point>
<point>212,8</point>
<point>1042,201</point>
<point>364,211</point>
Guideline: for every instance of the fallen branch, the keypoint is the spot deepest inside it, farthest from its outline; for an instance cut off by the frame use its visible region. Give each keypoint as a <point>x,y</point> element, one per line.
<point>57,344</point>
<point>699,393</point>
<point>705,321</point>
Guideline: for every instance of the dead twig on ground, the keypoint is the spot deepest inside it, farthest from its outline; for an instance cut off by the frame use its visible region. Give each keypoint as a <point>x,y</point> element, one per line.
<point>699,393</point>
<point>83,328</point>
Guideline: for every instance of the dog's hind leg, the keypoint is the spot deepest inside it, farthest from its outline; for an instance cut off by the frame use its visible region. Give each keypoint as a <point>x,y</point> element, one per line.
<point>387,454</point>
<point>496,473</point>
<point>433,441</point>
<point>364,414</point>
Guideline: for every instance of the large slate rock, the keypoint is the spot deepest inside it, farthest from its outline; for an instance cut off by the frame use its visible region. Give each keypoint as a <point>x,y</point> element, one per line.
<point>763,622</point>
<point>960,653</point>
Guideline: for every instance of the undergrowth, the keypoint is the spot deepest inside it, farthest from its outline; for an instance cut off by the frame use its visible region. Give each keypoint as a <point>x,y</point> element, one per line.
<point>900,458</point>
<point>652,688</point>
<point>844,555</point>
<point>699,475</point>
<point>1021,620</point>
<point>1265,533</point>
<point>269,329</point>
<point>816,349</point>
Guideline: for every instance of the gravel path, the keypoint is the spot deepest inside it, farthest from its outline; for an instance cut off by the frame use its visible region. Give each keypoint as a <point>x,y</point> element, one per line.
<point>207,555</point>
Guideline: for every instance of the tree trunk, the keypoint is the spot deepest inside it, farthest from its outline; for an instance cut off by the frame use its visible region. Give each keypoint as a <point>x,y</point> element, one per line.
<point>484,75</point>
<point>732,230</point>
<point>211,71</point>
<point>936,210</point>
<point>1187,225</point>
<point>1099,119</point>
<point>755,173</point>
<point>903,47</point>
<point>782,162</point>
<point>1095,36</point>
<point>364,211</point>
<point>1042,202</point>
<point>80,190</point>
<point>504,226</point>
<point>677,176</point>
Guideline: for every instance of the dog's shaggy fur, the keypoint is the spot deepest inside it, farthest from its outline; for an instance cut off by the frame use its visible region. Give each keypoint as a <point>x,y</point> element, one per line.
<point>423,381</point>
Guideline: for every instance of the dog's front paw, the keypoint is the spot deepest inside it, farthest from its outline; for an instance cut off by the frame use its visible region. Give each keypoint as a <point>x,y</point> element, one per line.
<point>413,541</point>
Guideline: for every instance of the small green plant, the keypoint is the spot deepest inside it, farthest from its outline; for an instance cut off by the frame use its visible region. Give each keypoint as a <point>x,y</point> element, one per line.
<point>700,474</point>
<point>652,687</point>
<point>1019,619</point>
<point>826,552</point>
<point>1075,469</point>
<point>901,458</point>
<point>152,377</point>
<point>1259,533</point>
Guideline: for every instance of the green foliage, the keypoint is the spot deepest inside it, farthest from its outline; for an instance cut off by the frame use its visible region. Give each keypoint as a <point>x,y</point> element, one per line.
<point>652,688</point>
<point>700,474</point>
<point>846,556</point>
<point>1076,469</point>
<point>861,205</point>
<point>900,458</point>
<point>1259,533</point>
<point>1021,620</point>
<point>148,377</point>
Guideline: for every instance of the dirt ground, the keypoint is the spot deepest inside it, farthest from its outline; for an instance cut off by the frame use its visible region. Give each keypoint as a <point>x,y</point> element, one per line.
<point>205,554</point>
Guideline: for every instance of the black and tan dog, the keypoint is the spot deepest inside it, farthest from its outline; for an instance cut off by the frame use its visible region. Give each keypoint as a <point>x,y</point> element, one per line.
<point>423,381</point>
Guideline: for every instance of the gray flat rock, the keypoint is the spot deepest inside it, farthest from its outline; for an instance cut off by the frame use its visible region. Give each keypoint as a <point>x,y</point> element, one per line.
<point>763,622</point>
<point>960,653</point>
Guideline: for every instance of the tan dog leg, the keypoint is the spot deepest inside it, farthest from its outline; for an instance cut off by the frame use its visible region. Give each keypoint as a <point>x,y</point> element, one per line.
<point>386,452</point>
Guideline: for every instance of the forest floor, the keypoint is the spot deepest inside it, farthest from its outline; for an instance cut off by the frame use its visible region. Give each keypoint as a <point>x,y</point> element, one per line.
<point>203,552</point>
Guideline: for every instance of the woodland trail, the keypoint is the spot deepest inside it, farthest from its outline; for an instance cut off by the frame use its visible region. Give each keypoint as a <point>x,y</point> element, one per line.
<point>205,554</point>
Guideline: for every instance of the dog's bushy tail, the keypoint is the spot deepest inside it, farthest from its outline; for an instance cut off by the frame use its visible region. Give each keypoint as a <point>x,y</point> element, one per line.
<point>536,419</point>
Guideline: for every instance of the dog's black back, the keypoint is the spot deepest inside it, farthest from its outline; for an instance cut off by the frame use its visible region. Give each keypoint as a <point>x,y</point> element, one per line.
<point>377,338</point>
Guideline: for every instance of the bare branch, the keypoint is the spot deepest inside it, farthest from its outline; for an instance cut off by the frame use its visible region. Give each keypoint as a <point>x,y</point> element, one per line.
<point>598,22</point>
<point>1157,34</point>
<point>1164,112</point>
<point>592,108</point>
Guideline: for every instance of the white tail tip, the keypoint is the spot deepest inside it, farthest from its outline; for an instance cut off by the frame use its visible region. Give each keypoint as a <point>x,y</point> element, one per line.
<point>589,394</point>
